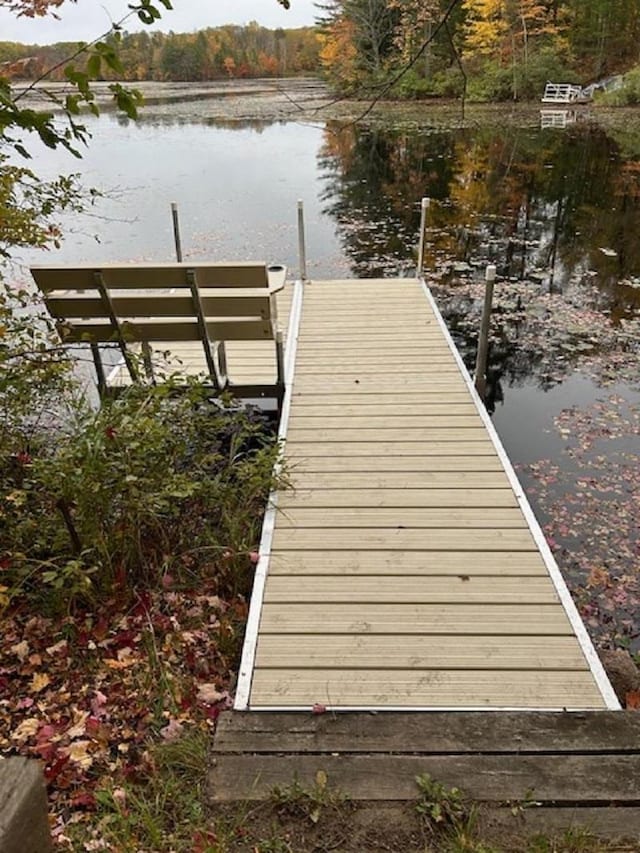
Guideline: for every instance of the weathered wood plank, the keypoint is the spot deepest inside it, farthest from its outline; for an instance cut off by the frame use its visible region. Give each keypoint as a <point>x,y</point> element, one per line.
<point>452,589</point>
<point>24,824</point>
<point>407,497</point>
<point>425,539</point>
<point>406,563</point>
<point>500,518</point>
<point>450,732</point>
<point>489,778</point>
<point>434,619</point>
<point>299,651</point>
<point>428,688</point>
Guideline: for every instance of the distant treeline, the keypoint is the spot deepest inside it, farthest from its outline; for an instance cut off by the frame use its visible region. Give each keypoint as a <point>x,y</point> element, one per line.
<point>211,54</point>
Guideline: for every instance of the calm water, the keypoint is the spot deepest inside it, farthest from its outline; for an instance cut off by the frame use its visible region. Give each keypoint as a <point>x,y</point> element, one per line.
<point>558,211</point>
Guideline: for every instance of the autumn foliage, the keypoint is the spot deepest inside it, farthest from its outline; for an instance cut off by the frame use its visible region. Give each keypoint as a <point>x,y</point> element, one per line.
<point>498,48</point>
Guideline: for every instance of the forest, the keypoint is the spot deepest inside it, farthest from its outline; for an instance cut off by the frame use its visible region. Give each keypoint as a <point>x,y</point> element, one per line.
<point>210,54</point>
<point>483,49</point>
<point>487,49</point>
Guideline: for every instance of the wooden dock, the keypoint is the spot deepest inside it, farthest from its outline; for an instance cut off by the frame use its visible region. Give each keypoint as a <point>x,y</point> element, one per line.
<point>405,571</point>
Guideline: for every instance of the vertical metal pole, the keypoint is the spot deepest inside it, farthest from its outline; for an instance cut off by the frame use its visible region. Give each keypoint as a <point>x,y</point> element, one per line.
<point>176,231</point>
<point>302,250</point>
<point>483,341</point>
<point>424,207</point>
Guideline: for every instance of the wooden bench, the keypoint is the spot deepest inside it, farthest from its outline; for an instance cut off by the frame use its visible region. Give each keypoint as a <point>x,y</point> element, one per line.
<point>141,304</point>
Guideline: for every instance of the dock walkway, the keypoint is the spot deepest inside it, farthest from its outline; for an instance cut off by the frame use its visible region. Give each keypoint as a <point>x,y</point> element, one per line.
<point>406,569</point>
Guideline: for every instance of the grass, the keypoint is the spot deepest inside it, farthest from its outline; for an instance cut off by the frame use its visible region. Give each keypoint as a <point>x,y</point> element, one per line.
<point>164,809</point>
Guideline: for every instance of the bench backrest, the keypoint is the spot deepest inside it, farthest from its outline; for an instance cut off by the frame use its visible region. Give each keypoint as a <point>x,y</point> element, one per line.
<point>163,302</point>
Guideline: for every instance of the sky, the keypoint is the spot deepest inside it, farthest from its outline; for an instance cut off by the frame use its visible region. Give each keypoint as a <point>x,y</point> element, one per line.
<point>88,19</point>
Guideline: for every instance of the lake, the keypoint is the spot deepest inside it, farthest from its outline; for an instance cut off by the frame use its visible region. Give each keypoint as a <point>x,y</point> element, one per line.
<point>557,210</point>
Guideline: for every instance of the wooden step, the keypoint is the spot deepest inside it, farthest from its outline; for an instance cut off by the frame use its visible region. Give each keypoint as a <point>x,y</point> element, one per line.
<point>574,767</point>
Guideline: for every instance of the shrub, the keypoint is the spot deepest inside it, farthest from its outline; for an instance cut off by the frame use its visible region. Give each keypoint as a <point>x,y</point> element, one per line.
<point>158,486</point>
<point>627,95</point>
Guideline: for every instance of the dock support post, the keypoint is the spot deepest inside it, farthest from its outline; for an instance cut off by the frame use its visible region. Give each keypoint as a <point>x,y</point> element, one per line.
<point>176,231</point>
<point>480,378</point>
<point>302,250</point>
<point>424,207</point>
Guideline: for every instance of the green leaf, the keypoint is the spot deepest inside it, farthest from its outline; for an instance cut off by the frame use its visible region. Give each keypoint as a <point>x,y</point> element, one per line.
<point>94,64</point>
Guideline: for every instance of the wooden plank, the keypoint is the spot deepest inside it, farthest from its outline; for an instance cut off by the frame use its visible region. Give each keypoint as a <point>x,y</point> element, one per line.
<point>436,619</point>
<point>367,384</point>
<point>406,563</point>
<point>510,733</point>
<point>554,779</point>
<point>400,518</point>
<point>333,449</point>
<point>179,330</point>
<point>300,651</point>
<point>428,688</point>
<point>366,348</point>
<point>370,324</point>
<point>427,435</point>
<point>373,464</point>
<point>152,304</point>
<point>300,423</point>
<point>454,589</point>
<point>400,539</point>
<point>401,497</point>
<point>382,368</point>
<point>24,822</point>
<point>311,482</point>
<point>141,276</point>
<point>392,398</point>
<point>428,410</point>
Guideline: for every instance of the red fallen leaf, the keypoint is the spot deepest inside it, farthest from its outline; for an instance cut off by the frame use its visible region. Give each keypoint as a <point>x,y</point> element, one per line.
<point>98,705</point>
<point>212,711</point>
<point>319,709</point>
<point>203,841</point>
<point>45,733</point>
<point>632,700</point>
<point>52,771</point>
<point>84,800</point>
<point>101,628</point>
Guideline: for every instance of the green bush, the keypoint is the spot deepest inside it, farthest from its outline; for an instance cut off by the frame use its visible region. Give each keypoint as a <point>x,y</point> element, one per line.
<point>490,82</point>
<point>629,93</point>
<point>158,486</point>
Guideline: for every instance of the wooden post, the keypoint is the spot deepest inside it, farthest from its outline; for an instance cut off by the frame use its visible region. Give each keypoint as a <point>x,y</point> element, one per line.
<point>97,361</point>
<point>480,378</point>
<point>424,207</point>
<point>24,825</point>
<point>102,289</point>
<point>202,328</point>
<point>176,231</point>
<point>302,250</point>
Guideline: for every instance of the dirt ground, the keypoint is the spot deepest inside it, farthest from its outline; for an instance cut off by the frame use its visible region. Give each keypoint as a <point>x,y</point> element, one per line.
<point>389,827</point>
